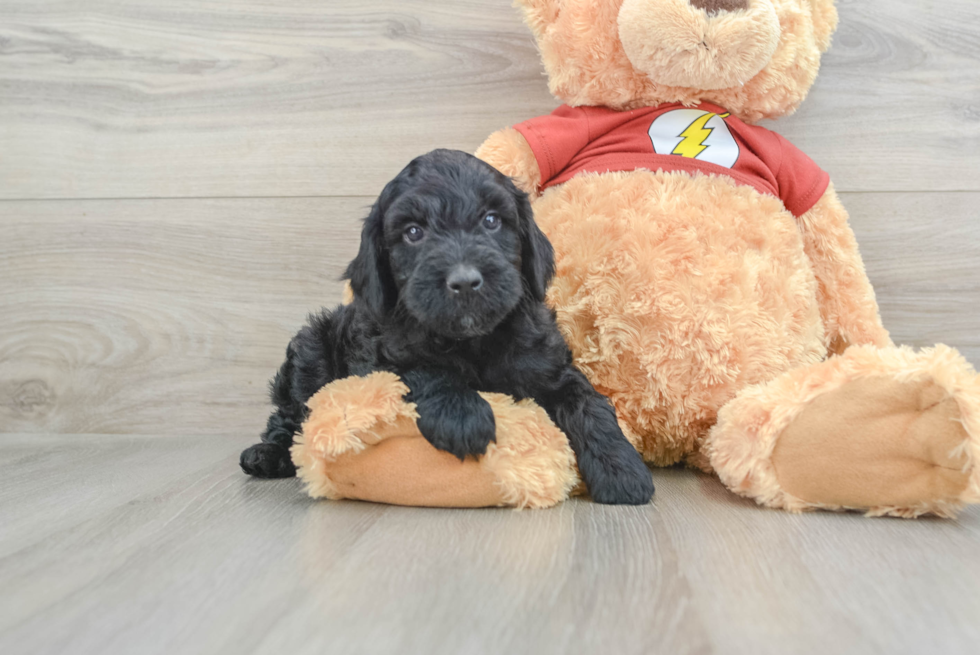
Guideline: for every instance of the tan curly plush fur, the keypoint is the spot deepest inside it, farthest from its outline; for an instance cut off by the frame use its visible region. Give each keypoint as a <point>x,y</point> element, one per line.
<point>587,64</point>
<point>668,309</point>
<point>683,295</point>
<point>728,333</point>
<point>360,442</point>
<point>929,475</point>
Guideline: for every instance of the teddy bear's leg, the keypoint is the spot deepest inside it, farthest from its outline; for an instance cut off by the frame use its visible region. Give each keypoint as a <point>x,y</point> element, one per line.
<point>361,442</point>
<point>887,431</point>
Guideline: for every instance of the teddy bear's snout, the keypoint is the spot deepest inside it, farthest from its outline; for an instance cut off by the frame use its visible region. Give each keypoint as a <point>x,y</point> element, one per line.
<point>699,44</point>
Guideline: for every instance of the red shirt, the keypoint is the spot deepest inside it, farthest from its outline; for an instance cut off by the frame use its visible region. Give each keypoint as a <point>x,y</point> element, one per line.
<point>706,139</point>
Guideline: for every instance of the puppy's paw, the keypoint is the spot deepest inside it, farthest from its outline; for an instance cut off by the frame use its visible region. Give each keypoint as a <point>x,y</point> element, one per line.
<point>267,460</point>
<point>463,425</point>
<point>617,477</point>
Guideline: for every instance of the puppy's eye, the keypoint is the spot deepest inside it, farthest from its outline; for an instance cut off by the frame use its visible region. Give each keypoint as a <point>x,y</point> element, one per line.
<point>491,221</point>
<point>413,234</point>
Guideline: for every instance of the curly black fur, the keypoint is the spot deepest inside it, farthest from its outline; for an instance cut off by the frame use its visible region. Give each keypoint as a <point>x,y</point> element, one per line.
<point>449,287</point>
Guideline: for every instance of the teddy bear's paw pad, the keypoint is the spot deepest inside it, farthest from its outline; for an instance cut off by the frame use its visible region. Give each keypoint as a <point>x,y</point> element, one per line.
<point>880,444</point>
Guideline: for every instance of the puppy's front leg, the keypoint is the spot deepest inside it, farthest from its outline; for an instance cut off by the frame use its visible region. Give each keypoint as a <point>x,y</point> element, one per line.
<point>452,416</point>
<point>612,469</point>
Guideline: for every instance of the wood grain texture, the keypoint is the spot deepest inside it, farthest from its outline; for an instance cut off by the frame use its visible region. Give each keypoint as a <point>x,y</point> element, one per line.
<point>158,545</point>
<point>247,98</point>
<point>897,104</point>
<point>170,316</point>
<point>773,582</point>
<point>922,254</point>
<point>159,316</point>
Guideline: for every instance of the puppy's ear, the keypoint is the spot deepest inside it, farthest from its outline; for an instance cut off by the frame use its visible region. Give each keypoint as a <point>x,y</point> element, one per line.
<point>370,272</point>
<point>537,255</point>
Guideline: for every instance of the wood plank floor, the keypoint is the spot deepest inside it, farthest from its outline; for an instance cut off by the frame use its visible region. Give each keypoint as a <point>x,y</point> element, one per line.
<point>147,544</point>
<point>180,185</point>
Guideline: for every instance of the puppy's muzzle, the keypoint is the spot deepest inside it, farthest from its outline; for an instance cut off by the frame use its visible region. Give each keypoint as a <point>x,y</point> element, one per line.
<point>464,280</point>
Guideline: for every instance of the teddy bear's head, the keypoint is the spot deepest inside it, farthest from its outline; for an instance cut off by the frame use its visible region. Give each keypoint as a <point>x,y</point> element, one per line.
<point>756,58</point>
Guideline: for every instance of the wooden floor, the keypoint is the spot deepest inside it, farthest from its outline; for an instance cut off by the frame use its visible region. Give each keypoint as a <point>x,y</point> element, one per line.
<point>180,183</point>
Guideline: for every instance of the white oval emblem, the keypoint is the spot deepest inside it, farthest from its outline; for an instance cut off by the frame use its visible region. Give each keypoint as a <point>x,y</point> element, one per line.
<point>695,134</point>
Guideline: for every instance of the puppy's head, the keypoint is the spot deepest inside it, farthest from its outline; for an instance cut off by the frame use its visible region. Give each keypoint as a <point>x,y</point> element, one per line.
<point>453,242</point>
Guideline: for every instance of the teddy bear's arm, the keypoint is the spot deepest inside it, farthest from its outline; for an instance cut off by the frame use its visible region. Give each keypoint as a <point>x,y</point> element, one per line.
<point>508,151</point>
<point>847,300</point>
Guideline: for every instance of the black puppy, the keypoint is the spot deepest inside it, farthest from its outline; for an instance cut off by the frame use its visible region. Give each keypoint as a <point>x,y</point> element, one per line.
<point>449,288</point>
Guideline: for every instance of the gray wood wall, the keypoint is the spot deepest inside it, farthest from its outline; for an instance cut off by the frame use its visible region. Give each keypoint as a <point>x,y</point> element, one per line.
<point>181,182</point>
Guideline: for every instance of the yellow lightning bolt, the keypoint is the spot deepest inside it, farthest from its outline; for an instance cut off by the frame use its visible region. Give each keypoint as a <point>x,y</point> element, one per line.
<point>695,135</point>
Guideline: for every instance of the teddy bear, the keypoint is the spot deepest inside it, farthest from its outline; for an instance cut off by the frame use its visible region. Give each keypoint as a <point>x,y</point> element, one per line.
<point>707,282</point>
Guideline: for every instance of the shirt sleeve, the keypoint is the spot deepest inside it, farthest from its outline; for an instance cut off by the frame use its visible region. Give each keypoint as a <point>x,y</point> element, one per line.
<point>801,182</point>
<point>555,139</point>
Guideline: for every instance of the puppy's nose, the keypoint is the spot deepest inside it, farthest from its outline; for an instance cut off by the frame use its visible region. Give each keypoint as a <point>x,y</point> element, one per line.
<point>464,279</point>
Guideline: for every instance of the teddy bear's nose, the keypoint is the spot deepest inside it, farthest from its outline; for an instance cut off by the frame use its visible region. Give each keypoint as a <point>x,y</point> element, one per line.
<point>717,6</point>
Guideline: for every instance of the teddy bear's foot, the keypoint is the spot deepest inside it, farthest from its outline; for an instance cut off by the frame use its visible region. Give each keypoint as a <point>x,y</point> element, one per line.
<point>886,431</point>
<point>361,442</point>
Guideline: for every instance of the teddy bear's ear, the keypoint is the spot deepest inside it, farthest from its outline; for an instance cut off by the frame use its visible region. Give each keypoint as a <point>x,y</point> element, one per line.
<point>539,14</point>
<point>824,21</point>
